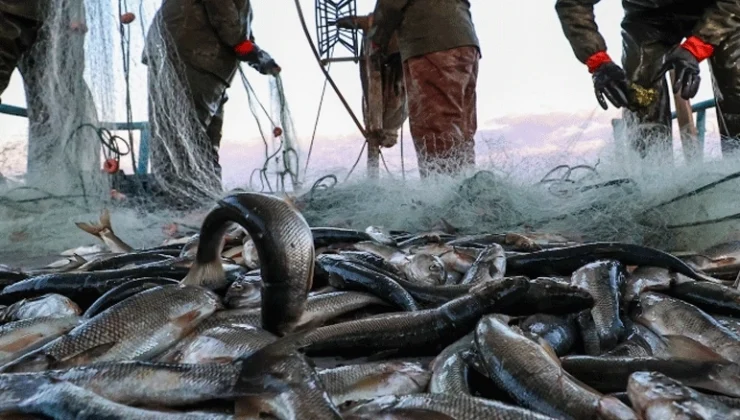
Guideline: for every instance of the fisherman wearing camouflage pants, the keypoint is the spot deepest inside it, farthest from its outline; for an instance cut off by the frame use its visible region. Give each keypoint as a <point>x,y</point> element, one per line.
<point>652,31</point>
<point>204,41</point>
<point>440,52</point>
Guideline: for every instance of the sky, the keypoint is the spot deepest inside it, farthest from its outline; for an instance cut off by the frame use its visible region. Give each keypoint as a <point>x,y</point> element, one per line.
<point>534,97</point>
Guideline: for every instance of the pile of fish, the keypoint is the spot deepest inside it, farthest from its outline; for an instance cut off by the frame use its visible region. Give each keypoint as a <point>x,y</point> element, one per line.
<point>260,316</point>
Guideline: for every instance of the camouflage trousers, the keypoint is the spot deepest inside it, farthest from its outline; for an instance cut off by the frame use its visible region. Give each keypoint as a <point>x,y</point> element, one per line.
<point>441,93</point>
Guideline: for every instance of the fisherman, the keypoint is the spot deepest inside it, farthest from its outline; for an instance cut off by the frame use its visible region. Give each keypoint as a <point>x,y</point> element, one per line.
<point>29,29</point>
<point>204,40</point>
<point>658,36</point>
<point>395,108</point>
<point>440,53</point>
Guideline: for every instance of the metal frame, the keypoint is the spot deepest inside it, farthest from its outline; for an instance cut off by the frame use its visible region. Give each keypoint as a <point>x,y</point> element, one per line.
<point>142,127</point>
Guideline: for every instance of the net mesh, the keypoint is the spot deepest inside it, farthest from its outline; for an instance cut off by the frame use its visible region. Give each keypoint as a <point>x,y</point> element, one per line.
<point>84,81</point>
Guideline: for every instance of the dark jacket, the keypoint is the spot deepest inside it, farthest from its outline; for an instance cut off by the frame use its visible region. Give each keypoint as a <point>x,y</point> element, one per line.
<point>28,9</point>
<point>717,20</point>
<point>205,32</point>
<point>424,26</point>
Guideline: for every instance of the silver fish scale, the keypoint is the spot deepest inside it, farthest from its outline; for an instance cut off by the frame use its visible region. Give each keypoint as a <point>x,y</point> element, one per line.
<point>137,325</point>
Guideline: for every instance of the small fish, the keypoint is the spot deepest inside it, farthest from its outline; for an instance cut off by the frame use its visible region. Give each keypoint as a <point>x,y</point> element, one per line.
<point>655,396</point>
<point>380,235</point>
<point>449,369</point>
<point>104,231</point>
<point>489,265</point>
<point>222,344</point>
<point>83,251</point>
<point>20,337</point>
<point>425,269</point>
<point>559,332</point>
<point>50,305</point>
<point>371,380</point>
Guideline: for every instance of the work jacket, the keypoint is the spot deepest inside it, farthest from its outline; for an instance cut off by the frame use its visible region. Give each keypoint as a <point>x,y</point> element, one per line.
<point>716,20</point>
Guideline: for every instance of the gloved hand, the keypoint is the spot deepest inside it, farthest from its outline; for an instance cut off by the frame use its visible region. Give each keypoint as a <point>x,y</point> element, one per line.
<point>685,59</point>
<point>609,80</point>
<point>257,58</point>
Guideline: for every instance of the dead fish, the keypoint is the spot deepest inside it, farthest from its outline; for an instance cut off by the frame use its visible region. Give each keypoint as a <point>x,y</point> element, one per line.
<point>286,251</point>
<point>603,280</point>
<point>449,369</point>
<point>646,279</point>
<point>551,295</point>
<point>418,330</point>
<point>244,293</point>
<point>458,407</point>
<point>569,259</point>
<point>50,305</point>
<point>588,332</point>
<point>611,374</point>
<point>20,337</point>
<point>83,251</point>
<point>559,332</point>
<point>63,400</point>
<point>489,265</point>
<point>62,266</point>
<point>455,259</point>
<point>531,374</point>
<point>119,261</point>
<point>733,324</point>
<point>222,344</point>
<point>709,297</point>
<point>329,236</point>
<point>425,268</point>
<point>656,396</point>
<point>250,255</point>
<point>687,330</point>
<point>104,231</point>
<point>164,315</point>
<point>370,380</point>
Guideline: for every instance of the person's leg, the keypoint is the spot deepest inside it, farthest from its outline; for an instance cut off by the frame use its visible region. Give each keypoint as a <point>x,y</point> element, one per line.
<point>438,87</point>
<point>725,66</point>
<point>645,39</point>
<point>395,111</point>
<point>215,133</point>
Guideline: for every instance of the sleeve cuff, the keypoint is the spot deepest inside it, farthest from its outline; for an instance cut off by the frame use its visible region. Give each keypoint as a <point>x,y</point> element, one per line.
<point>596,60</point>
<point>244,47</point>
<point>698,48</point>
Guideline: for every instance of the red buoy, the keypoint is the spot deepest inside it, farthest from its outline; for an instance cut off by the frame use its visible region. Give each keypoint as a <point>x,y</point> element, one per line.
<point>277,131</point>
<point>127,18</point>
<point>110,166</point>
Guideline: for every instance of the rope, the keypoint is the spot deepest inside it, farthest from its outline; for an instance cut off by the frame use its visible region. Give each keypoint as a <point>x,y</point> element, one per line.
<point>126,58</point>
<point>318,116</point>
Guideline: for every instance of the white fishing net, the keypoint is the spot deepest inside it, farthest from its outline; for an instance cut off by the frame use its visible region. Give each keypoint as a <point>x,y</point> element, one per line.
<point>610,197</point>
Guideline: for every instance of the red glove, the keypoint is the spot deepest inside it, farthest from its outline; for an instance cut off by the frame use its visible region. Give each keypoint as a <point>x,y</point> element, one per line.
<point>698,48</point>
<point>595,61</point>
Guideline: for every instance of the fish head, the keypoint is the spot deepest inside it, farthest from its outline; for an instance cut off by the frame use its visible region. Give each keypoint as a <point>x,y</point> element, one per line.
<point>244,294</point>
<point>249,254</point>
<point>425,268</point>
<point>654,392</point>
<point>380,235</point>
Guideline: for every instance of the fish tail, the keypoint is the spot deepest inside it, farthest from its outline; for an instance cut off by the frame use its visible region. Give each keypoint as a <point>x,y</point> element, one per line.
<point>96,229</point>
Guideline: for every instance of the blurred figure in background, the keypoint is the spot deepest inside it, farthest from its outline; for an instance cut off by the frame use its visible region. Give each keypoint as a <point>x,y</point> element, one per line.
<point>440,52</point>
<point>45,40</point>
<point>203,42</point>
<point>652,35</point>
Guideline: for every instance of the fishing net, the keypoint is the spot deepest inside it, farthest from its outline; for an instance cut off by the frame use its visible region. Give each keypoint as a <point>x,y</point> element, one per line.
<point>91,80</point>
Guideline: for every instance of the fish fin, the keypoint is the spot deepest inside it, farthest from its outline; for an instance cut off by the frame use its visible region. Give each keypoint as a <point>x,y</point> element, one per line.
<point>685,348</point>
<point>186,319</point>
<point>723,260</point>
<point>89,355</point>
<point>105,220</point>
<point>89,228</point>
<point>22,343</point>
<point>78,259</point>
<point>549,350</point>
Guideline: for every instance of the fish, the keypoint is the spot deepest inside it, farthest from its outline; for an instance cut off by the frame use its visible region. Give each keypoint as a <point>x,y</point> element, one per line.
<point>424,268</point>
<point>603,280</point>
<point>455,258</point>
<point>123,292</point>
<point>531,374</point>
<point>83,251</point>
<point>328,236</point>
<point>63,400</point>
<point>709,297</point>
<point>50,305</point>
<point>449,369</point>
<point>164,315</point>
<point>489,265</point>
<point>559,332</point>
<point>656,396</point>
<point>687,330</point>
<point>250,255</point>
<point>566,260</point>
<point>611,374</point>
<point>220,344</point>
<point>119,261</point>
<point>286,252</point>
<point>553,296</point>
<point>458,407</point>
<point>20,337</point>
<point>380,235</point>
<point>61,266</point>
<point>371,380</point>
<point>418,330</point>
<point>244,293</point>
<point>104,231</point>
<point>353,275</point>
<point>645,279</point>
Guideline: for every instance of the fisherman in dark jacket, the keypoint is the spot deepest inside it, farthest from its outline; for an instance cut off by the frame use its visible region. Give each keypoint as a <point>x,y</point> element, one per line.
<point>658,36</point>
<point>205,40</point>
<point>440,52</point>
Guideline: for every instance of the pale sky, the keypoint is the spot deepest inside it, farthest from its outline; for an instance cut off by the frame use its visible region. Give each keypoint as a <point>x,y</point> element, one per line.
<point>527,67</point>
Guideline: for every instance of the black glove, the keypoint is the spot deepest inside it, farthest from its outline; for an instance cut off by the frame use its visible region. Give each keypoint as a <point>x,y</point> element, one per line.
<point>611,81</point>
<point>686,66</point>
